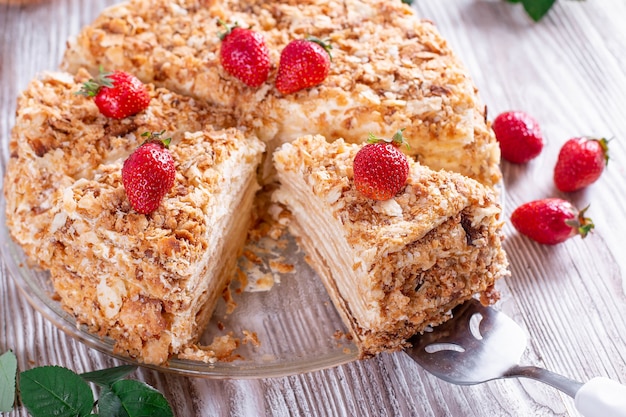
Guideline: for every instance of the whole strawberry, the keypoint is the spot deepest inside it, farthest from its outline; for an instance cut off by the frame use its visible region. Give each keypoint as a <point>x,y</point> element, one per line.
<point>551,221</point>
<point>519,136</point>
<point>118,94</point>
<point>580,163</point>
<point>148,174</point>
<point>380,168</point>
<point>244,54</point>
<point>303,63</point>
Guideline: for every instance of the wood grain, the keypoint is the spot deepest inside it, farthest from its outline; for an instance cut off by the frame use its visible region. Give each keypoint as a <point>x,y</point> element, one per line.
<point>568,71</point>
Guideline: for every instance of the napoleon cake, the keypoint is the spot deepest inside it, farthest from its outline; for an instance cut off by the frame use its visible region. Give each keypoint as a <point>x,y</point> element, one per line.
<point>389,70</point>
<point>148,281</point>
<point>394,267</point>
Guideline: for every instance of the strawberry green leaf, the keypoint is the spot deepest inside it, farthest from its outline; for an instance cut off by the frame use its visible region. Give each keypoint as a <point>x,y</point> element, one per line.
<point>8,371</point>
<point>604,144</point>
<point>139,400</point>
<point>90,88</point>
<point>55,391</point>
<point>106,377</point>
<point>536,9</point>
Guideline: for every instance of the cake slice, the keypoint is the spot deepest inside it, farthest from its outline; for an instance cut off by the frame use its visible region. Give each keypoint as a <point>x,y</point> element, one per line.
<point>395,267</point>
<point>390,70</point>
<point>150,282</point>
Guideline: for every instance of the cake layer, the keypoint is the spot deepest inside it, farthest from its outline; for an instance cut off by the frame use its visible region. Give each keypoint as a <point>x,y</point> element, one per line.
<point>392,267</point>
<point>389,70</point>
<point>148,281</point>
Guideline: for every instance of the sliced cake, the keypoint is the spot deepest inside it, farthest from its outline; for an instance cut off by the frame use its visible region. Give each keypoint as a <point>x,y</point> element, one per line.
<point>148,281</point>
<point>389,70</point>
<point>391,267</point>
<point>151,281</point>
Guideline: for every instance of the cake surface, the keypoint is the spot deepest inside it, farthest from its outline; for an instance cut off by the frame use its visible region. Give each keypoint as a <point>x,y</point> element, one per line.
<point>390,70</point>
<point>392,267</point>
<point>148,281</point>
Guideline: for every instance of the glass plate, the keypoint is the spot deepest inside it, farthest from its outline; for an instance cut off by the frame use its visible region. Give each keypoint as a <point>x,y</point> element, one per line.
<point>295,321</point>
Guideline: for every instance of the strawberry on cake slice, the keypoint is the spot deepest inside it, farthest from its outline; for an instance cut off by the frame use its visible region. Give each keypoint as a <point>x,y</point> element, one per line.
<point>140,239</point>
<point>396,244</point>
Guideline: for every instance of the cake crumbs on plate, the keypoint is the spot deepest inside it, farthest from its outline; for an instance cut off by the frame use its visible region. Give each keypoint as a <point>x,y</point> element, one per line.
<point>251,337</point>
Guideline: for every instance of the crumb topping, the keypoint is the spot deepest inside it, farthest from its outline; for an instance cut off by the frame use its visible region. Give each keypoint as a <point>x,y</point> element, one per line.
<point>390,70</point>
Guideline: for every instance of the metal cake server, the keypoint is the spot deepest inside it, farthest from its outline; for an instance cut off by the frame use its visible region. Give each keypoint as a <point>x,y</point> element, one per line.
<point>480,344</point>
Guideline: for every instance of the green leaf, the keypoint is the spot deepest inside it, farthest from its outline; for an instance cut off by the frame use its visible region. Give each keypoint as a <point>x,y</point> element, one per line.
<point>55,391</point>
<point>106,377</point>
<point>140,400</point>
<point>109,404</point>
<point>536,9</point>
<point>8,371</point>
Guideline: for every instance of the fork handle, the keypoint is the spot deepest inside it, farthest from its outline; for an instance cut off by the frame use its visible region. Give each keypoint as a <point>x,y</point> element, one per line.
<point>601,397</point>
<point>564,384</point>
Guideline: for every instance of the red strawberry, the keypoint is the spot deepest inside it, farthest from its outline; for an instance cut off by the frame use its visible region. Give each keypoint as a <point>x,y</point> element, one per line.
<point>244,55</point>
<point>118,94</point>
<point>148,174</point>
<point>519,136</point>
<point>551,221</point>
<point>580,163</point>
<point>380,168</point>
<point>303,63</point>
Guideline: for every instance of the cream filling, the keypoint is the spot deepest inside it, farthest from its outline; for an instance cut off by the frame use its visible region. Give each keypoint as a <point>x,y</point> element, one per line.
<point>322,237</point>
<point>226,237</point>
<point>326,115</point>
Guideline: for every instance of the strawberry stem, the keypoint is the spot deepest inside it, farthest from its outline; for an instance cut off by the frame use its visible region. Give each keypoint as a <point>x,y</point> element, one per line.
<point>91,87</point>
<point>582,225</point>
<point>397,139</point>
<point>228,28</point>
<point>156,137</point>
<point>604,144</point>
<point>323,43</point>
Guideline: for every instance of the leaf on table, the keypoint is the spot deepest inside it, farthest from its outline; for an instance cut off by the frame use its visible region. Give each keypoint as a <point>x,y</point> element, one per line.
<point>536,9</point>
<point>106,377</point>
<point>109,404</point>
<point>55,391</point>
<point>8,371</point>
<point>139,399</point>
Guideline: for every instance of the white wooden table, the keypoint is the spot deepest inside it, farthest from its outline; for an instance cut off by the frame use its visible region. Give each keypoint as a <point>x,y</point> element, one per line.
<point>569,72</point>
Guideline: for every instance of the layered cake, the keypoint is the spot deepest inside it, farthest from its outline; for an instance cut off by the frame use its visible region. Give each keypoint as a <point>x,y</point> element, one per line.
<point>393,267</point>
<point>150,282</point>
<point>390,70</point>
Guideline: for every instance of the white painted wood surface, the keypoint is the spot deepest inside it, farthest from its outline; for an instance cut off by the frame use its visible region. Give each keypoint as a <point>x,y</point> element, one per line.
<point>568,71</point>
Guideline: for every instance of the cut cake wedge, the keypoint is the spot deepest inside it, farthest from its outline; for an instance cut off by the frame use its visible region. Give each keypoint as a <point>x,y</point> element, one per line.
<point>150,282</point>
<point>395,267</point>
